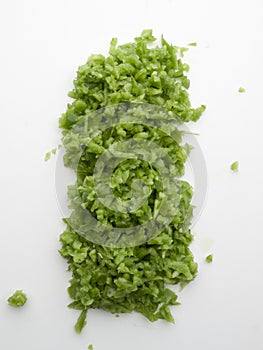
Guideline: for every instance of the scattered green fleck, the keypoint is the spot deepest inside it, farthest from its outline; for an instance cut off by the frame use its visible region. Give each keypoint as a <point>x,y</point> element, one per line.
<point>47,156</point>
<point>192,44</point>
<point>241,89</point>
<point>90,347</point>
<point>234,166</point>
<point>53,151</point>
<point>209,258</point>
<point>123,280</point>
<point>117,315</point>
<point>183,50</point>
<point>18,299</point>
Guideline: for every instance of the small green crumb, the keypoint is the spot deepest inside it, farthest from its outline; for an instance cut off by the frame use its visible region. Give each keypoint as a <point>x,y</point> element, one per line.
<point>183,50</point>
<point>90,347</point>
<point>18,299</point>
<point>234,166</point>
<point>192,44</point>
<point>53,151</point>
<point>117,315</point>
<point>241,89</point>
<point>59,146</point>
<point>209,258</point>
<point>47,156</point>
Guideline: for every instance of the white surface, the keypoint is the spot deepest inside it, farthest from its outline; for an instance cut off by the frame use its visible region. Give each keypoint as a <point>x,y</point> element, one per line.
<point>42,44</point>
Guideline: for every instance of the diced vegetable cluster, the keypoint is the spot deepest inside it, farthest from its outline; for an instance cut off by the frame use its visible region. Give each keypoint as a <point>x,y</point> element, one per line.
<point>18,299</point>
<point>133,278</point>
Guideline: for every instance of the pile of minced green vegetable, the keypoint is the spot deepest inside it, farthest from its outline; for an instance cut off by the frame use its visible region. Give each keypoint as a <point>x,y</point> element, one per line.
<point>133,278</point>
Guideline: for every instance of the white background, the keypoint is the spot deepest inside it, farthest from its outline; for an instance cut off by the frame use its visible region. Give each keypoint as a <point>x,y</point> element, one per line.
<point>42,44</point>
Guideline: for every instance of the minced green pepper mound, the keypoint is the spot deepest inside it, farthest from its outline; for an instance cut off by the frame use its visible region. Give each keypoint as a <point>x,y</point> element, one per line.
<point>133,278</point>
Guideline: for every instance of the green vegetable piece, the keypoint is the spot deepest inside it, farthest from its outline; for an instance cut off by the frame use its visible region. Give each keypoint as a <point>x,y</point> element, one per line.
<point>192,44</point>
<point>90,347</point>
<point>209,258</point>
<point>241,89</point>
<point>81,322</point>
<point>234,166</point>
<point>54,151</point>
<point>183,50</point>
<point>18,299</point>
<point>47,156</point>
